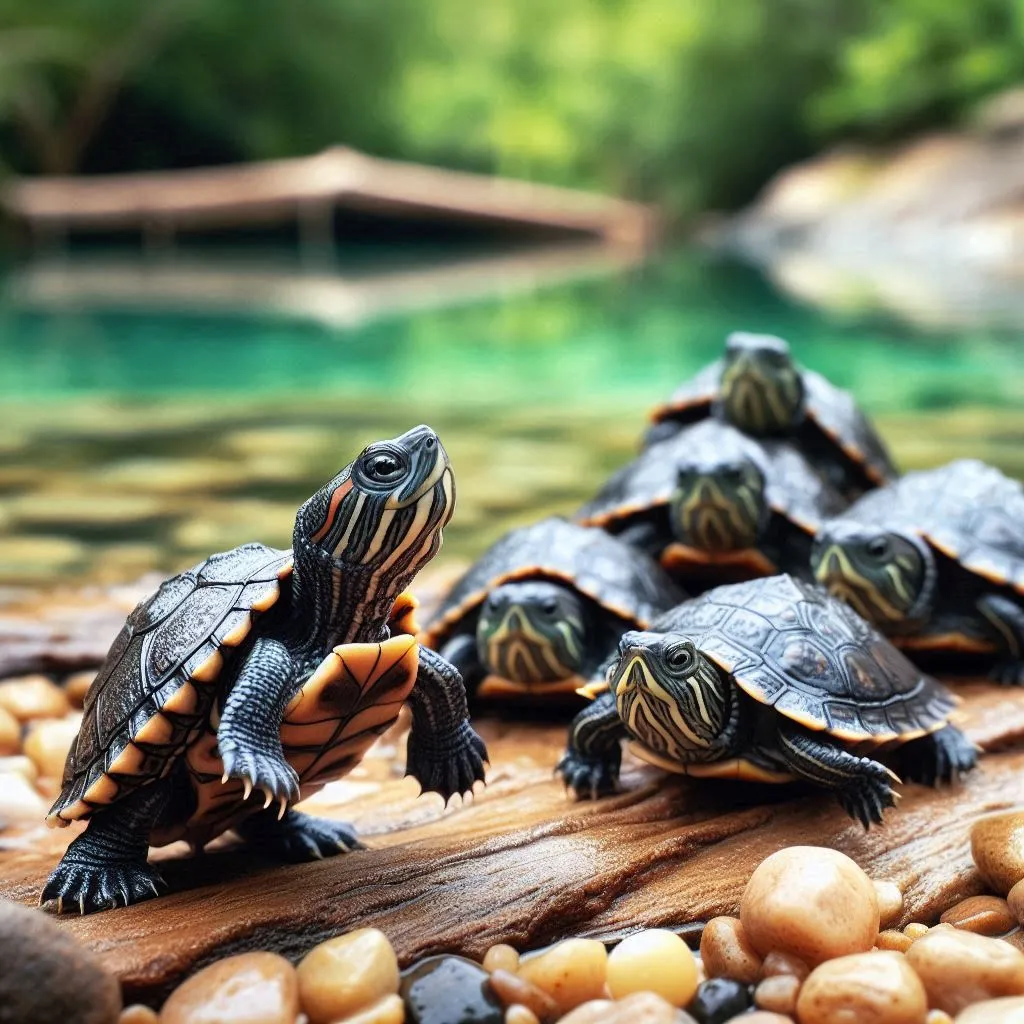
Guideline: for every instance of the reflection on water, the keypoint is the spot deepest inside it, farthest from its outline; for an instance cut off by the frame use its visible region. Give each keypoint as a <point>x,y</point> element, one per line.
<point>135,438</point>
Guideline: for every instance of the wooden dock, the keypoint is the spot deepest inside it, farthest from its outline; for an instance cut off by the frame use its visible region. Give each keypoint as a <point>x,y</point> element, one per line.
<point>307,191</point>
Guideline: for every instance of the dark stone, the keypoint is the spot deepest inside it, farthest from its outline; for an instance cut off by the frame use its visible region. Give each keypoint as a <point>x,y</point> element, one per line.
<point>718,1000</point>
<point>449,990</point>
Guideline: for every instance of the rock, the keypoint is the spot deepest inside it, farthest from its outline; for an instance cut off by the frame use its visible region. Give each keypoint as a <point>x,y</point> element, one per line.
<point>138,1014</point>
<point>810,901</point>
<point>890,903</point>
<point>938,1017</point>
<point>653,960</point>
<point>252,988</point>
<point>997,846</point>
<point>777,994</point>
<point>595,1011</point>
<point>891,939</point>
<point>19,765</point>
<point>501,957</point>
<point>76,686</point>
<point>390,1010</point>
<point>571,972</point>
<point>48,742</point>
<point>347,974</point>
<point>778,964</point>
<point>983,915</point>
<point>10,734</point>
<point>19,801</point>
<point>1015,901</point>
<point>726,951</point>
<point>959,968</point>
<point>763,1017</point>
<point>639,1008</point>
<point>449,990</point>
<point>718,1000</point>
<point>47,978</point>
<point>1009,1010</point>
<point>520,1015</point>
<point>513,990</point>
<point>876,987</point>
<point>30,697</point>
<point>915,930</point>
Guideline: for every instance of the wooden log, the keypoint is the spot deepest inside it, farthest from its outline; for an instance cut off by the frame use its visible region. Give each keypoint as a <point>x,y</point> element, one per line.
<point>523,864</point>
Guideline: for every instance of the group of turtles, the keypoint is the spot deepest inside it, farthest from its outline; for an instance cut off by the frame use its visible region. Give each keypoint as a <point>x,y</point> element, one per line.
<point>760,487</point>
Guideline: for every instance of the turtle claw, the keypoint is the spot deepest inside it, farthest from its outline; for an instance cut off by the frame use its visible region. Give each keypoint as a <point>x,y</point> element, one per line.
<point>298,838</point>
<point>586,777</point>
<point>266,771</point>
<point>448,768</point>
<point>866,798</point>
<point>91,887</point>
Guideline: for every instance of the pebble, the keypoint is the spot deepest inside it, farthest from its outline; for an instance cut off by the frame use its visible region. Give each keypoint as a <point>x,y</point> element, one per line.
<point>252,988</point>
<point>571,972</point>
<point>513,990</point>
<point>938,1017</point>
<point>390,1010</point>
<point>726,951</point>
<point>810,901</point>
<point>653,960</point>
<point>76,686</point>
<point>501,958</point>
<point>19,765</point>
<point>719,1000</point>
<point>898,942</point>
<point>449,990</point>
<point>1015,901</point>
<point>983,915</point>
<point>997,845</point>
<point>520,1015</point>
<point>639,1008</point>
<point>890,903</point>
<point>29,697</point>
<point>959,968</point>
<point>47,976</point>
<point>993,1011</point>
<point>347,974</point>
<point>48,743</point>
<point>763,1017</point>
<point>777,994</point>
<point>915,931</point>
<point>779,963</point>
<point>876,987</point>
<point>10,734</point>
<point>138,1014</point>
<point>19,801</point>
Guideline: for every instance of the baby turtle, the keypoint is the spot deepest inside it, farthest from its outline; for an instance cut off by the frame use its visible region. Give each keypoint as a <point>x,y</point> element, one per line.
<point>769,680</point>
<point>269,671</point>
<point>759,389</point>
<point>541,609</point>
<point>715,506</point>
<point>936,561</point>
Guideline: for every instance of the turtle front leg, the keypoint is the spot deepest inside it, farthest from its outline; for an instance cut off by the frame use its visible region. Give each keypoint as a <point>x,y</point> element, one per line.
<point>590,765</point>
<point>461,652</point>
<point>1007,620</point>
<point>107,866</point>
<point>863,787</point>
<point>297,837</point>
<point>444,753</point>
<point>249,734</point>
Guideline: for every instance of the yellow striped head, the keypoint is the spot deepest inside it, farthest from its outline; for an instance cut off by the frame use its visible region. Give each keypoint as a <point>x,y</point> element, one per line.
<point>886,576</point>
<point>671,697</point>
<point>762,390</point>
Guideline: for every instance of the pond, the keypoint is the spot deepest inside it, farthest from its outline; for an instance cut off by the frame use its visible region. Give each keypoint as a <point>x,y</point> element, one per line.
<point>156,413</point>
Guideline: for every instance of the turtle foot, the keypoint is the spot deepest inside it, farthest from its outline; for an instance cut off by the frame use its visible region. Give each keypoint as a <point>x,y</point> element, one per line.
<point>1009,672</point>
<point>298,837</point>
<point>79,887</point>
<point>942,756</point>
<point>266,772</point>
<point>867,797</point>
<point>587,777</point>
<point>447,768</point>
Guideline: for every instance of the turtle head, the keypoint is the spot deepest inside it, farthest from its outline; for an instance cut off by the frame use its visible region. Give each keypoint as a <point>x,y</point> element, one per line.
<point>762,389</point>
<point>532,632</point>
<point>887,576</point>
<point>385,511</point>
<point>673,698</point>
<point>718,503</point>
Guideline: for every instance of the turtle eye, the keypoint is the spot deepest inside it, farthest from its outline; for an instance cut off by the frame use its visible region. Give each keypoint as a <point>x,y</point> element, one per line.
<point>383,468</point>
<point>877,547</point>
<point>549,606</point>
<point>680,659</point>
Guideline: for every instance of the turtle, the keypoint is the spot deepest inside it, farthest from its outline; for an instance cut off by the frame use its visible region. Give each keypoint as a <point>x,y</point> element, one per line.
<point>768,680</point>
<point>542,608</point>
<point>761,390</point>
<point>715,506</point>
<point>268,672</point>
<point>936,561</point>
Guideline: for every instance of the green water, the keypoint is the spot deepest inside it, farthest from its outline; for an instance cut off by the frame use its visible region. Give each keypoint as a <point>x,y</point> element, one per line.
<point>141,436</point>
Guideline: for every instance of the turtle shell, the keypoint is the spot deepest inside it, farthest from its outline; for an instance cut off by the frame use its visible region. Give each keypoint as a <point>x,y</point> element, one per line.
<point>618,578</point>
<point>155,688</point>
<point>791,646</point>
<point>793,488</point>
<point>967,510</point>
<point>832,410</point>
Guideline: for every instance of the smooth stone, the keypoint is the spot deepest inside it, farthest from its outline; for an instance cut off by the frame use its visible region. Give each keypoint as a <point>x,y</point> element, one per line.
<point>777,994</point>
<point>571,972</point>
<point>48,742</point>
<point>390,1010</point>
<point>763,1017</point>
<point>18,764</point>
<point>138,1014</point>
<point>994,1011</point>
<point>915,930</point>
<point>1015,901</point>
<point>1015,939</point>
<point>778,963</point>
<point>726,951</point>
<point>653,960</point>
<point>76,686</point>
<point>938,1017</point>
<point>997,846</point>
<point>959,968</point>
<point>501,958</point>
<point>47,977</point>
<point>890,903</point>
<point>864,988</point>
<point>520,1015</point>
<point>19,800</point>
<point>10,734</point>
<point>31,697</point>
<point>252,988</point>
<point>513,990</point>
<point>449,990</point>
<point>347,974</point>
<point>983,915</point>
<point>810,901</point>
<point>897,942</point>
<point>639,1008</point>
<point>718,1000</point>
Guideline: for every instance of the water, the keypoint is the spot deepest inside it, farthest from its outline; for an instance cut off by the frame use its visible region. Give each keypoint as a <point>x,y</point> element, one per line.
<point>154,413</point>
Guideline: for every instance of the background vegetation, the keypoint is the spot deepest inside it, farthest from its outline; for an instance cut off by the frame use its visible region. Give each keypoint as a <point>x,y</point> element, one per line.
<point>690,102</point>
